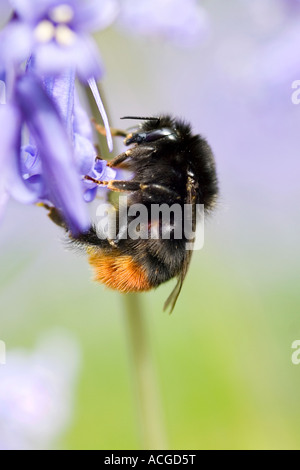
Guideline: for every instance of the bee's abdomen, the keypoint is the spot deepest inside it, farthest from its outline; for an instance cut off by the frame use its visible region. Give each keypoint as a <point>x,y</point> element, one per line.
<point>120,273</point>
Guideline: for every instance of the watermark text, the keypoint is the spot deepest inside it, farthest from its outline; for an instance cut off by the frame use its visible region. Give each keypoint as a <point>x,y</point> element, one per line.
<point>296,94</point>
<point>156,221</point>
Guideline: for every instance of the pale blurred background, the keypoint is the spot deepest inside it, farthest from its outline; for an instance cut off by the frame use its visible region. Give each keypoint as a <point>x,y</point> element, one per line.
<point>223,358</point>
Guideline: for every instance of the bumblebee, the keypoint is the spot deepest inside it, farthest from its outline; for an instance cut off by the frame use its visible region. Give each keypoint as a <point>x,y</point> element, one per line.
<point>170,165</point>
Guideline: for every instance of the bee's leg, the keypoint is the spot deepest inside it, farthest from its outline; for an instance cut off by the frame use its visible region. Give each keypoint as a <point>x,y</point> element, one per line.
<point>150,189</point>
<point>119,159</point>
<point>114,132</point>
<point>118,185</point>
<point>120,163</point>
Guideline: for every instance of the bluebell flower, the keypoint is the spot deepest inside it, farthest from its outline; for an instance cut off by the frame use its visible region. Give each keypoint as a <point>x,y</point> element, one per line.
<point>57,33</point>
<point>52,37</point>
<point>78,125</point>
<point>49,168</point>
<point>58,180</point>
<point>182,22</point>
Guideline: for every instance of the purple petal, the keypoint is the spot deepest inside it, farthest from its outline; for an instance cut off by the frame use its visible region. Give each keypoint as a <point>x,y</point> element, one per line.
<point>104,172</point>
<point>90,194</point>
<point>30,162</point>
<point>109,174</point>
<point>61,91</point>
<point>82,55</point>
<point>86,55</point>
<point>82,123</point>
<point>10,163</point>
<point>59,171</point>
<point>88,15</point>
<point>37,185</point>
<point>85,154</point>
<point>32,10</point>
<point>16,41</point>
<point>100,172</point>
<point>100,166</point>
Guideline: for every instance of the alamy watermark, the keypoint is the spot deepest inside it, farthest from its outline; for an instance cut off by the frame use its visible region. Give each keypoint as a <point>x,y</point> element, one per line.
<point>296,94</point>
<point>2,353</point>
<point>296,353</point>
<point>158,221</point>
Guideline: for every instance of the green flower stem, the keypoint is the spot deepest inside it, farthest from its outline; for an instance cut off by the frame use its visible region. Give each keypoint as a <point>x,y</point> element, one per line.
<point>147,396</point>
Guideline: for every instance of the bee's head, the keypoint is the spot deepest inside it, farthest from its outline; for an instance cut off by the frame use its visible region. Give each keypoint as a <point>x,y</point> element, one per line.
<point>152,129</point>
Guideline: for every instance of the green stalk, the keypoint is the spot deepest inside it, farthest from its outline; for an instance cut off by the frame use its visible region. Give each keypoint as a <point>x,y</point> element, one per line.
<point>147,396</point>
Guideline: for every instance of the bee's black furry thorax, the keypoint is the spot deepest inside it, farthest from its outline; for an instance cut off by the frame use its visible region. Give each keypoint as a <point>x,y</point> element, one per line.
<point>170,158</point>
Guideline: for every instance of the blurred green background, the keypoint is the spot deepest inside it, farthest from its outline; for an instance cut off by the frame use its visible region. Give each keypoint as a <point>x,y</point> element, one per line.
<point>223,358</point>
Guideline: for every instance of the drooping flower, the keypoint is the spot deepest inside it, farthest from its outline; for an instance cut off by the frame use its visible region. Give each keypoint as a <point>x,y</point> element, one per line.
<point>79,128</point>
<point>52,37</point>
<point>59,180</point>
<point>48,169</point>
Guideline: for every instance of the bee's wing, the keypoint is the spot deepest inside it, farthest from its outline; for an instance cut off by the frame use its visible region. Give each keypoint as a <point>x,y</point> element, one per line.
<point>190,199</point>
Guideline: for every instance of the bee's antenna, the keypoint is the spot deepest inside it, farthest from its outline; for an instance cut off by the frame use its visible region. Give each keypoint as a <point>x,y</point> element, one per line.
<point>141,118</point>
